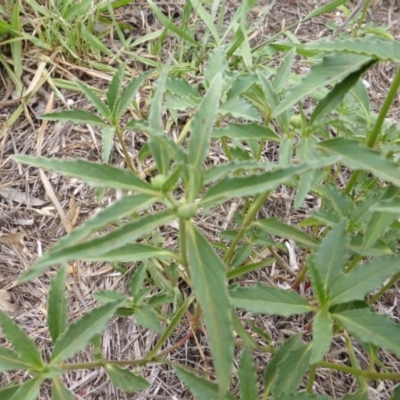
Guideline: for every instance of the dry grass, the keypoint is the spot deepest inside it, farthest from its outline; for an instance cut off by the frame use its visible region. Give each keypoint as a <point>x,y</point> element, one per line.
<point>30,221</point>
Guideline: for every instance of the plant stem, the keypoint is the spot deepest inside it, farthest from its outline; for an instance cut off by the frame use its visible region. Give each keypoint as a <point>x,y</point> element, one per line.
<point>395,376</point>
<point>372,137</point>
<point>311,378</point>
<point>248,219</point>
<point>124,149</point>
<point>392,281</point>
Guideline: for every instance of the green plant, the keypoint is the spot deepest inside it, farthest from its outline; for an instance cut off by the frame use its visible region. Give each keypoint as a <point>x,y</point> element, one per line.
<point>356,253</point>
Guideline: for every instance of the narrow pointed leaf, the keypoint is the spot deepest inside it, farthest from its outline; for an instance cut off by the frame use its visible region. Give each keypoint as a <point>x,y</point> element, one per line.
<point>250,185</point>
<point>94,174</point>
<point>239,107</point>
<point>9,360</point>
<point>76,116</point>
<point>271,371</point>
<point>202,124</point>
<point>300,396</point>
<point>59,391</point>
<point>291,370</point>
<point>120,209</point>
<point>216,65</point>
<point>364,278</point>
<point>376,47</point>
<point>247,377</point>
<point>250,131</point>
<point>208,278</point>
<point>57,305</point>
<point>107,141</point>
<point>136,282</point>
<point>100,106</point>
<point>22,343</point>
<point>316,282</point>
<point>330,258</point>
<point>146,317</point>
<point>28,390</point>
<point>275,227</point>
<point>359,157</point>
<point>201,388</point>
<point>264,299</point>
<point>114,88</point>
<point>129,93</point>
<point>125,379</point>
<point>331,69</point>
<point>389,206</point>
<point>369,327</point>
<point>337,94</point>
<point>95,248</point>
<point>78,334</point>
<point>322,335</point>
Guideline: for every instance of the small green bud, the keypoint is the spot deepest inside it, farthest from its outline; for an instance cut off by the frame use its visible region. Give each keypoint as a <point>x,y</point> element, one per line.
<point>158,181</point>
<point>187,211</point>
<point>295,121</point>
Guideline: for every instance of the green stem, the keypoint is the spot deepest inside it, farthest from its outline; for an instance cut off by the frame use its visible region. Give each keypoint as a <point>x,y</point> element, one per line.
<point>227,150</point>
<point>364,14</point>
<point>372,137</point>
<point>392,281</point>
<point>394,376</point>
<point>311,378</point>
<point>183,244</point>
<point>124,149</point>
<point>248,219</point>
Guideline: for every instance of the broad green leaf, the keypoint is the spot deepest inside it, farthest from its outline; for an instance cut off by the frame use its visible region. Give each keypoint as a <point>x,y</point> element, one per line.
<point>375,47</point>
<point>28,390</point>
<point>201,388</point>
<point>291,370</point>
<point>246,132</point>
<point>216,65</point>
<point>108,296</point>
<point>100,106</point>
<point>182,88</point>
<point>107,140</point>
<point>331,69</point>
<point>250,185</point>
<point>369,327</point>
<point>359,395</point>
<point>202,124</point>
<point>208,279</point>
<point>171,26</point>
<point>76,116</point>
<point>160,153</point>
<point>270,372</point>
<point>396,393</point>
<point>9,360</point>
<point>22,343</point>
<point>275,227</point>
<point>132,252</point>
<point>125,379</point>
<point>342,205</point>
<point>129,93</point>
<point>322,335</point>
<point>94,174</point>
<point>363,279</point>
<point>120,209</point>
<point>316,282</point>
<point>380,220</point>
<point>359,157</point>
<point>300,396</point>
<point>78,334</point>
<point>146,317</point>
<point>59,391</point>
<point>330,258</point>
<point>57,317</point>
<point>222,170</point>
<point>260,298</point>
<point>136,282</point>
<point>282,73</point>
<point>113,91</point>
<point>95,248</point>
<point>247,377</point>
<point>8,392</point>
<point>239,107</point>
<point>388,206</point>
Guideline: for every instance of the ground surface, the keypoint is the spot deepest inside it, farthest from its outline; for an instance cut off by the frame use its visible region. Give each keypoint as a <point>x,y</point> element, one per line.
<point>30,220</point>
